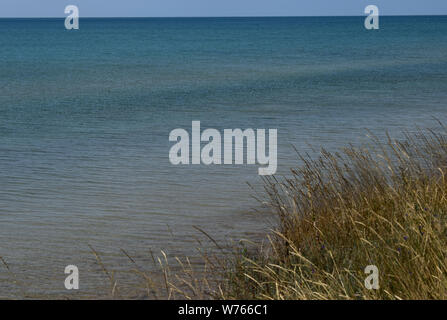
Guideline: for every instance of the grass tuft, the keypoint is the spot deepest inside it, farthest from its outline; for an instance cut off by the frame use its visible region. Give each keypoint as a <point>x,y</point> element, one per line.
<point>382,204</point>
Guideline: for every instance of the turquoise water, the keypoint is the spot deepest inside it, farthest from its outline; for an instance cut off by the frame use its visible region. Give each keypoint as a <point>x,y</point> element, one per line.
<point>85,118</point>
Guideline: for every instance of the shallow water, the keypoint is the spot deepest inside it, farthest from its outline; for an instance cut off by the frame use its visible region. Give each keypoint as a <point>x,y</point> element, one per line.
<point>85,118</point>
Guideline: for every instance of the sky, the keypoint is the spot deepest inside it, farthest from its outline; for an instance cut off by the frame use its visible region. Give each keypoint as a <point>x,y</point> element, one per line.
<point>215,8</point>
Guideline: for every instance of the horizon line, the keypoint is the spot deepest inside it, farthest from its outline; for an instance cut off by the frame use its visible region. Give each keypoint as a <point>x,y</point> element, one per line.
<point>241,16</point>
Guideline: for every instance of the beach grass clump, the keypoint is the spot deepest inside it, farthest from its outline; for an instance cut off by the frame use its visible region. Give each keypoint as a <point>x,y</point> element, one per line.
<point>382,204</point>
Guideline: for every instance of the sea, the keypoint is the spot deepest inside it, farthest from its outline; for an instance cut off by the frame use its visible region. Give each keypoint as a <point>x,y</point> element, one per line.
<point>85,118</point>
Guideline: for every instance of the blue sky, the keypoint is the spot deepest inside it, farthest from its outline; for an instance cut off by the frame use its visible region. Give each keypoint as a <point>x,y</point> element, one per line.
<point>176,8</point>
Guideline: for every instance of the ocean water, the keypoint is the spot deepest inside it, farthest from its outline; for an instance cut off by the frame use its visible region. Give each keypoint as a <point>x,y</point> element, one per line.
<point>85,117</point>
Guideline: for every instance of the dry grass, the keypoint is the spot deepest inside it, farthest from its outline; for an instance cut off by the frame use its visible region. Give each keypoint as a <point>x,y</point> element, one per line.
<point>384,204</point>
